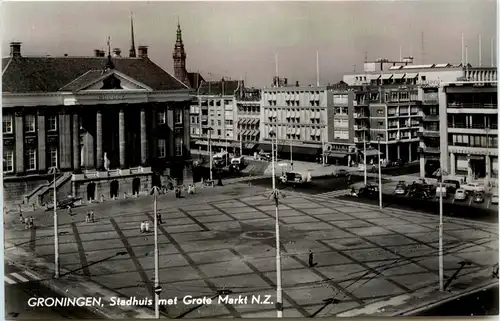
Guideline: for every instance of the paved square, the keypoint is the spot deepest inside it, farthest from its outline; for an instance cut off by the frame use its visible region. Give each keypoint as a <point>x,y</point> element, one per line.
<point>362,254</point>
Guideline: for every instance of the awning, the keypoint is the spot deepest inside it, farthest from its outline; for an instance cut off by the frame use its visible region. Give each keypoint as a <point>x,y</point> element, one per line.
<point>297,131</point>
<point>411,75</point>
<point>249,146</point>
<point>372,152</point>
<point>398,76</point>
<point>201,142</point>
<point>476,157</point>
<point>335,154</point>
<point>387,76</point>
<point>287,114</point>
<point>374,77</point>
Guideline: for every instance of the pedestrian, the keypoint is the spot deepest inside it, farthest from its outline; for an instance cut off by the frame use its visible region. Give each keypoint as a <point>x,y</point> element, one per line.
<point>349,179</point>
<point>92,216</point>
<point>311,259</point>
<point>158,218</point>
<point>87,217</point>
<point>26,223</point>
<point>143,227</point>
<point>32,222</point>
<point>21,218</point>
<point>146,226</point>
<point>70,212</point>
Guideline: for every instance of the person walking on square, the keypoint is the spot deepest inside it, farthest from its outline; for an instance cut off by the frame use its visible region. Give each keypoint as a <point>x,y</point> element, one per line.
<point>146,224</point>
<point>87,218</point>
<point>311,259</point>
<point>26,223</point>
<point>158,218</point>
<point>32,222</point>
<point>92,216</point>
<point>143,226</point>
<point>21,218</point>
<point>70,211</point>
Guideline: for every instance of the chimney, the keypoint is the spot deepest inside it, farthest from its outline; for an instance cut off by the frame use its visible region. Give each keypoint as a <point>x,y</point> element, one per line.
<point>297,83</point>
<point>97,53</point>
<point>15,49</point>
<point>143,51</point>
<point>117,52</point>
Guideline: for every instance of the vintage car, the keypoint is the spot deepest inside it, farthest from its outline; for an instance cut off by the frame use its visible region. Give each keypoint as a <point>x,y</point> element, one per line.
<point>238,162</point>
<point>296,178</point>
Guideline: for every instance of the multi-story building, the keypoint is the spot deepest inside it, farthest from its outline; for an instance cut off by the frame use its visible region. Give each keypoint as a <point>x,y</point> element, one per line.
<point>297,116</point>
<point>468,113</point>
<point>107,123</point>
<point>213,114</point>
<point>248,119</point>
<point>400,107</point>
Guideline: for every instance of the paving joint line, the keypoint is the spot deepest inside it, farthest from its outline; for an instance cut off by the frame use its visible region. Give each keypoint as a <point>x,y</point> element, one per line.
<point>32,243</point>
<point>297,306</point>
<point>192,218</point>
<point>367,267</point>
<point>131,253</point>
<point>193,265</point>
<point>81,251</point>
<point>337,286</point>
<point>369,241</point>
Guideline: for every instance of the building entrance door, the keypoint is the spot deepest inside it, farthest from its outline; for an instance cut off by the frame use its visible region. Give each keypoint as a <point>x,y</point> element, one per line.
<point>478,166</point>
<point>91,192</point>
<point>136,183</point>
<point>113,189</point>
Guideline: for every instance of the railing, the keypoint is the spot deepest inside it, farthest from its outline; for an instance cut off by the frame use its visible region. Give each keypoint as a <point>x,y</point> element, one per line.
<point>431,118</point>
<point>474,126</point>
<point>472,105</point>
<point>431,149</point>
<point>359,115</point>
<point>430,102</point>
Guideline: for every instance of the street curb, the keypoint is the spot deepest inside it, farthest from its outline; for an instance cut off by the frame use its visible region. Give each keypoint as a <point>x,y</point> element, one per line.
<point>425,299</point>
<point>73,286</point>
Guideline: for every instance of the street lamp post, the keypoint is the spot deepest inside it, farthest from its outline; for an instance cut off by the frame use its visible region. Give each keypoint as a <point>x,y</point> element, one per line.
<point>155,191</point>
<point>379,175</point>
<point>291,156</point>
<point>441,268</point>
<point>364,156</point>
<point>275,195</point>
<point>54,171</point>
<point>210,150</point>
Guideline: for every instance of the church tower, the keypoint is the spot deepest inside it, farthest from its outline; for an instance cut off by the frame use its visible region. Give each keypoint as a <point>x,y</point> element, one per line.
<point>131,52</point>
<point>180,57</point>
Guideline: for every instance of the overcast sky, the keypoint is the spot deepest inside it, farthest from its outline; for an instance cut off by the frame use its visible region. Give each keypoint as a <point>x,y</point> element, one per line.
<point>234,39</point>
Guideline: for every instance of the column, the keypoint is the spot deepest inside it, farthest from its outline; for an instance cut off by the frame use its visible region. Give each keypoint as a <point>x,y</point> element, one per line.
<point>453,164</point>
<point>98,148</point>
<point>399,151</point>
<point>42,153</point>
<point>144,140</point>
<point>121,134</point>
<point>153,145</point>
<point>19,130</point>
<point>469,170</point>
<point>386,151</point>
<point>65,151</point>
<point>409,152</point>
<point>488,165</point>
<point>186,140</point>
<point>422,166</point>
<point>171,131</point>
<point>76,143</point>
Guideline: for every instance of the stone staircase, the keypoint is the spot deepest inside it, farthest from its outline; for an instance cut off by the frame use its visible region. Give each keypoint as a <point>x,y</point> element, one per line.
<point>44,192</point>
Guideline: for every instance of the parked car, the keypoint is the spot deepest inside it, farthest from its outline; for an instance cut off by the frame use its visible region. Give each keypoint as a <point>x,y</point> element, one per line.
<point>341,172</point>
<point>478,197</point>
<point>264,157</point>
<point>460,194</point>
<point>369,191</point>
<point>473,187</point>
<point>399,163</point>
<point>451,185</point>
<point>494,199</point>
<point>401,189</point>
<point>238,163</point>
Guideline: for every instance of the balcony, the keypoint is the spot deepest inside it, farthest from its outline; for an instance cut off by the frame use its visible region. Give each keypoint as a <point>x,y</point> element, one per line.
<point>360,115</point>
<point>430,118</point>
<point>430,133</point>
<point>359,127</point>
<point>472,105</point>
<point>431,150</point>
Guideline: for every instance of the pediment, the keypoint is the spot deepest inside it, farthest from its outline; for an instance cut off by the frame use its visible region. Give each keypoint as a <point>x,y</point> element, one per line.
<point>98,80</point>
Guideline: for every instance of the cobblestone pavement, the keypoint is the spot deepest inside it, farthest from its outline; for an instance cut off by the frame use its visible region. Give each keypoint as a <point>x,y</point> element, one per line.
<point>208,242</point>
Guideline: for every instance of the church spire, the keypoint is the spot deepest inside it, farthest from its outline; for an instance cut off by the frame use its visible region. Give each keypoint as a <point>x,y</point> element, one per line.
<point>131,52</point>
<point>179,57</point>
<point>109,64</point>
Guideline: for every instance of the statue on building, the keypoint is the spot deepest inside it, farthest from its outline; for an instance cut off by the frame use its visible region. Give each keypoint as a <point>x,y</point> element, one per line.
<point>106,161</point>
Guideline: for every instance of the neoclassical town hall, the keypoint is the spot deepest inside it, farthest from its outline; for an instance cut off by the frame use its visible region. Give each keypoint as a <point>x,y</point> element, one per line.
<point>109,124</point>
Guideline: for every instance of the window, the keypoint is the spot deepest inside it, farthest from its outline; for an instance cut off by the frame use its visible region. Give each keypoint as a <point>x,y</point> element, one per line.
<point>162,151</point>
<point>178,116</point>
<point>380,112</point>
<point>219,122</point>
<point>31,159</point>
<point>219,132</point>
<point>53,157</point>
<point>8,161</point>
<point>212,122</point>
<point>178,146</point>
<point>162,118</point>
<point>51,123</point>
<point>29,123</point>
<point>7,124</point>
